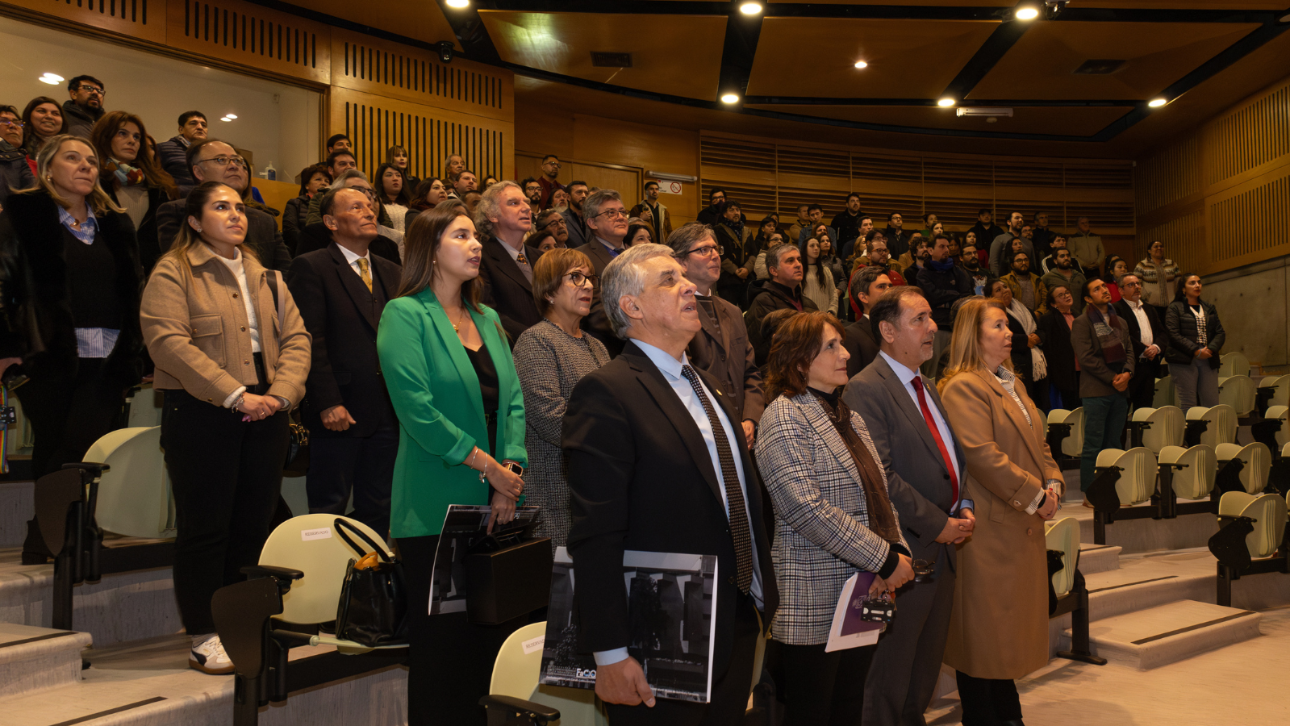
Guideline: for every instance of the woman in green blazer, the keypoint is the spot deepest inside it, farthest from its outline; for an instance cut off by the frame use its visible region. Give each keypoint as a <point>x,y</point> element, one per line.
<point>449,372</point>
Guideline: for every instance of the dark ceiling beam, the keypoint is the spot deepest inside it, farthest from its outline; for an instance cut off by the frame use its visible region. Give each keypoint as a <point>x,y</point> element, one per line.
<point>471,34</point>
<point>738,50</point>
<point>1207,70</point>
<point>983,61</point>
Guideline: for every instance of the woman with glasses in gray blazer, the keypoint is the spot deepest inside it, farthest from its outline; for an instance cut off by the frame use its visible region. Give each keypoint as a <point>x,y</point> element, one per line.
<point>833,518</point>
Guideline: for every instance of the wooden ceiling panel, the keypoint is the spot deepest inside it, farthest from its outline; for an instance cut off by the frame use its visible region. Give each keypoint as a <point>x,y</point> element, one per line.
<point>1042,64</point>
<point>1065,121</point>
<point>906,59</point>
<point>422,21</point>
<point>673,54</point>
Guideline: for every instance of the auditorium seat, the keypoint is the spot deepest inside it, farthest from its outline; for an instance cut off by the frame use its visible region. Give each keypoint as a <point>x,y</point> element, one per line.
<point>1280,414</point>
<point>1062,535</point>
<point>1211,426</point>
<point>1194,470</point>
<point>516,672</point>
<point>1238,392</point>
<point>1137,481</point>
<point>1068,592</point>
<point>1256,462</point>
<point>1160,427</point>
<point>1268,512</point>
<point>1165,394</point>
<point>1233,364</point>
<point>1066,436</point>
<point>1280,387</point>
<point>294,589</point>
<point>143,407</point>
<point>134,497</point>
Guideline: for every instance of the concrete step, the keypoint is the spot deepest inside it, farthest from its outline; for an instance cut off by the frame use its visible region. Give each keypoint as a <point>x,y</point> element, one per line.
<point>1149,535</point>
<point>1169,633</point>
<point>38,659</point>
<point>1095,558</point>
<point>149,684</point>
<point>121,607</point>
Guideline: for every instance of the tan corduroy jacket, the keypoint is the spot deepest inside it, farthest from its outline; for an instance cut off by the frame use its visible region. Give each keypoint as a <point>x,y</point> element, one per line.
<point>195,326</point>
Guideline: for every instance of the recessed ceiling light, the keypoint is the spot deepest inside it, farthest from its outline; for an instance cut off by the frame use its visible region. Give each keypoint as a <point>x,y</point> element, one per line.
<point>750,8</point>
<point>945,102</point>
<point>730,98</point>
<point>1157,102</point>
<point>52,79</point>
<point>457,3</point>
<point>226,119</point>
<point>230,115</point>
<point>861,64</point>
<point>1027,13</point>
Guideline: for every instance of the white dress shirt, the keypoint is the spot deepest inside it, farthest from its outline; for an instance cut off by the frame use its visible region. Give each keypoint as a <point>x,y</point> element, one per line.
<point>671,369</point>
<point>1144,325</point>
<point>353,259</point>
<point>906,377</point>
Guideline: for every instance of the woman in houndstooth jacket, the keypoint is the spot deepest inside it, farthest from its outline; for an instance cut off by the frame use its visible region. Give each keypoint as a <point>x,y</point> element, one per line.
<point>833,517</point>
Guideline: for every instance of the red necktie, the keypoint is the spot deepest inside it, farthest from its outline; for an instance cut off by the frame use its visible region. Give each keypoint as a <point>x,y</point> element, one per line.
<point>936,434</point>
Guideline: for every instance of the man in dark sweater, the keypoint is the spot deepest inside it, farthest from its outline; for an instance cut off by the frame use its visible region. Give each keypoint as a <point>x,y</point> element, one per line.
<point>943,283</point>
<point>985,229</point>
<point>783,290</point>
<point>173,154</point>
<point>85,107</point>
<point>847,222</point>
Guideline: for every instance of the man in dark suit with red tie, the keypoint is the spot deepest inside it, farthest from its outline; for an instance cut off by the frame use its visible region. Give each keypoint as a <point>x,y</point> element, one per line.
<point>657,463</point>
<point>341,291</point>
<point>925,472</point>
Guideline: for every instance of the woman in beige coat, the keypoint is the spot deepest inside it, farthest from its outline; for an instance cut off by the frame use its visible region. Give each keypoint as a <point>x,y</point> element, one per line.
<point>231,363</point>
<point>999,629</point>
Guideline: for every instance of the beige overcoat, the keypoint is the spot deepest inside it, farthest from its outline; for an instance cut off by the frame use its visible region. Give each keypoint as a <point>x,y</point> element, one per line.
<point>999,629</point>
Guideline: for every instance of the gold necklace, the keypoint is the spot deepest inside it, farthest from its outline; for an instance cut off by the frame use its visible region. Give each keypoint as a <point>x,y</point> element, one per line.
<point>455,327</point>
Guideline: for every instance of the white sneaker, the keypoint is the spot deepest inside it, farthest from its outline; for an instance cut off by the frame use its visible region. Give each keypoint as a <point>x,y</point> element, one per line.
<point>209,657</point>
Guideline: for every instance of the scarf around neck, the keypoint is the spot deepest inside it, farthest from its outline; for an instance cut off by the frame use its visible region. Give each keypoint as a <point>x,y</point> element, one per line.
<point>126,175</point>
<point>882,518</point>
<point>1109,336</point>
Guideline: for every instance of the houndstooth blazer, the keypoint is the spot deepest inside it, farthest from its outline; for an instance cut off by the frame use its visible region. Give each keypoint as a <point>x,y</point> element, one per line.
<point>822,534</point>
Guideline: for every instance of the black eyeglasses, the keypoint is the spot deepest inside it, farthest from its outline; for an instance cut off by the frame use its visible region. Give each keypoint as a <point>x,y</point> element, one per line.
<point>577,278</point>
<point>707,250</point>
<point>91,89</point>
<point>236,161</point>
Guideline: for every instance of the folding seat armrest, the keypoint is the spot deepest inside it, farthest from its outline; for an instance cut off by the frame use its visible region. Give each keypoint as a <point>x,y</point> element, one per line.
<point>277,573</point>
<point>92,467</point>
<point>535,713</point>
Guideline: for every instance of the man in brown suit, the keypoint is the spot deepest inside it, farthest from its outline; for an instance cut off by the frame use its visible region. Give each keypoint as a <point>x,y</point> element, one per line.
<point>721,347</point>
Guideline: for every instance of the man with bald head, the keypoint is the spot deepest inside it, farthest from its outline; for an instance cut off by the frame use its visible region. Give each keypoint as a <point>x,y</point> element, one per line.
<point>215,160</point>
<point>341,291</point>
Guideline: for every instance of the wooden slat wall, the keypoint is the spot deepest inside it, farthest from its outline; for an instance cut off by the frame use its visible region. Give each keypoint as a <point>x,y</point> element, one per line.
<point>381,93</point>
<point>1219,198</point>
<point>767,175</point>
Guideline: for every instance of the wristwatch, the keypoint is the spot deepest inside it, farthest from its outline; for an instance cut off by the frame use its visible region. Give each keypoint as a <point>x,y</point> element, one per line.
<point>513,466</point>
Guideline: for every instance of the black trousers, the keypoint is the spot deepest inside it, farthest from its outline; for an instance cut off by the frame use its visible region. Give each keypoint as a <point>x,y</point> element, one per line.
<point>69,414</point>
<point>226,475</point>
<point>1142,386</point>
<point>730,690</point>
<point>986,701</point>
<point>822,689</point>
<point>450,660</point>
<point>342,464</point>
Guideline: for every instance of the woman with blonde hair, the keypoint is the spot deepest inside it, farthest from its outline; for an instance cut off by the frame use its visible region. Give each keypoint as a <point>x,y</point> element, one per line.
<point>232,357</point>
<point>999,626</point>
<point>70,276</point>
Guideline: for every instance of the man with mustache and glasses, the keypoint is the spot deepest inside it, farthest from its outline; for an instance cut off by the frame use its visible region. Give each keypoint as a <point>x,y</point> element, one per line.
<point>215,160</point>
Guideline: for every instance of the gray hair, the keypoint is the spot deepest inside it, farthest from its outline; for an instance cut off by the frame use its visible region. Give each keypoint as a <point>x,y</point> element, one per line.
<point>592,204</point>
<point>776,254</point>
<point>345,176</point>
<point>624,276</point>
<point>490,204</point>
<point>688,236</point>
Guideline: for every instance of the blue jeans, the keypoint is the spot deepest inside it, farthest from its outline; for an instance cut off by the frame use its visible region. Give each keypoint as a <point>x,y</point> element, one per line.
<point>1104,419</point>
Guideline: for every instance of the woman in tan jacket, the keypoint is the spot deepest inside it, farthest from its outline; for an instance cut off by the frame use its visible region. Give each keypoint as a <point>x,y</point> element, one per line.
<point>999,629</point>
<point>230,372</point>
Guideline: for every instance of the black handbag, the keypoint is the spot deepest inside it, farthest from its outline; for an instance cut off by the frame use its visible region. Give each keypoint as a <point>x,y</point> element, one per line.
<point>297,461</point>
<point>507,576</point>
<point>373,601</point>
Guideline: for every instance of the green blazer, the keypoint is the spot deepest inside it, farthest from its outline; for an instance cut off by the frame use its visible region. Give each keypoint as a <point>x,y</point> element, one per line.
<point>441,411</point>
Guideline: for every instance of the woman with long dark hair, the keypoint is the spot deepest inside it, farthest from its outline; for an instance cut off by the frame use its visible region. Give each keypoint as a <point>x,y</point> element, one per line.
<point>131,176</point>
<point>70,276</point>
<point>398,157</point>
<point>451,377</point>
<point>392,190</point>
<point>429,193</point>
<point>1196,338</point>
<point>817,278</point>
<point>42,120</point>
<point>230,372</point>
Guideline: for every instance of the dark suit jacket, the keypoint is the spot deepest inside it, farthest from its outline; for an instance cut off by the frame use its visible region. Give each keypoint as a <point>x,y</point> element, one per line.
<point>917,478</point>
<point>1159,338</point>
<point>578,233</point>
<point>722,349</point>
<point>262,235</point>
<point>342,316</point>
<point>640,478</point>
<point>507,290</point>
<point>597,322</point>
<point>860,344</point>
<point>316,236</point>
<point>1055,339</point>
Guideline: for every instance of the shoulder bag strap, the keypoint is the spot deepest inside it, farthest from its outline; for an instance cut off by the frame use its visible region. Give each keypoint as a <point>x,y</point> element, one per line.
<point>340,525</point>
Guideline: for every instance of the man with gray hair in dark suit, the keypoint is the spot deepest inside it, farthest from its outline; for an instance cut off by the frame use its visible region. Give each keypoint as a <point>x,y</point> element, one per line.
<point>925,476</point>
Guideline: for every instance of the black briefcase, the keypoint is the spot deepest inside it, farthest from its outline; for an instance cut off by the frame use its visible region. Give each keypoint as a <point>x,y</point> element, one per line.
<point>507,578</point>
